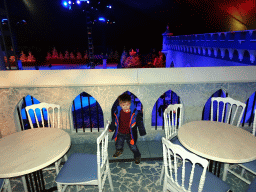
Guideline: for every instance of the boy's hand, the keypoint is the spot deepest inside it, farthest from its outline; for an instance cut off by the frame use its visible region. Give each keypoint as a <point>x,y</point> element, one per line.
<point>110,130</point>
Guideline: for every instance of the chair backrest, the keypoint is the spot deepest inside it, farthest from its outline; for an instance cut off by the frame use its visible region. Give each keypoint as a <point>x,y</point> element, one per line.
<point>102,156</point>
<point>49,118</point>
<point>254,124</point>
<point>173,119</point>
<point>227,110</point>
<point>172,155</point>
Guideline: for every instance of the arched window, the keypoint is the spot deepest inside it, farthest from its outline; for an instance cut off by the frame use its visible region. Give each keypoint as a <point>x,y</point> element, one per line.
<point>207,107</point>
<point>226,56</point>
<point>87,113</point>
<point>169,97</point>
<point>134,100</point>
<point>23,116</point>
<point>249,110</point>
<point>246,57</point>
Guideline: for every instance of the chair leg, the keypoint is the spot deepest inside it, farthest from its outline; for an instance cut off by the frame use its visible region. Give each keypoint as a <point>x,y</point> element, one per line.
<point>162,174</point>
<point>65,157</point>
<point>225,171</point>
<point>110,179</point>
<point>24,183</point>
<point>59,187</point>
<point>242,172</point>
<point>165,184</point>
<point>57,167</point>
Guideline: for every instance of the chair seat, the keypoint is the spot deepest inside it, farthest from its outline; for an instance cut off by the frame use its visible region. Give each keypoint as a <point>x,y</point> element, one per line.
<point>79,168</point>
<point>212,183</point>
<point>176,141</point>
<point>252,186</point>
<point>250,165</point>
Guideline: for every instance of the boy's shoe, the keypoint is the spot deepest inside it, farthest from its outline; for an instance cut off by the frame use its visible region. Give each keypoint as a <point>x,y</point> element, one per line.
<point>137,160</point>
<point>118,153</point>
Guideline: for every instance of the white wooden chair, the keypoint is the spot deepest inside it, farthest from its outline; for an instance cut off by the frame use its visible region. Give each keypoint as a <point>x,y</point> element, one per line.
<point>173,119</point>
<point>53,117</point>
<point>52,120</point>
<point>5,185</point>
<point>87,169</point>
<point>191,175</point>
<point>231,112</point>
<point>250,166</point>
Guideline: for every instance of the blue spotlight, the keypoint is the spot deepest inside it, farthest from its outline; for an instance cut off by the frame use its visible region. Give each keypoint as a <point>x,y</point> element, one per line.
<point>65,3</point>
<point>69,2</point>
<point>78,2</point>
<point>102,19</point>
<point>4,21</point>
<point>88,2</point>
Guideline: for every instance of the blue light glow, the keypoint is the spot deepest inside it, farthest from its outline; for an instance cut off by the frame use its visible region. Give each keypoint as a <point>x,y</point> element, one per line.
<point>102,19</point>
<point>65,3</point>
<point>69,2</point>
<point>78,2</point>
<point>88,2</point>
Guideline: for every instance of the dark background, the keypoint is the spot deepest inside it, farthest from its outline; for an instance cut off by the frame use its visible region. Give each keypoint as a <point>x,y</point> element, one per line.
<point>138,23</point>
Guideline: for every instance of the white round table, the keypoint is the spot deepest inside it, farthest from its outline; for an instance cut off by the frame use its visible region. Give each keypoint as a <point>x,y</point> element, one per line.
<point>218,141</point>
<point>31,150</point>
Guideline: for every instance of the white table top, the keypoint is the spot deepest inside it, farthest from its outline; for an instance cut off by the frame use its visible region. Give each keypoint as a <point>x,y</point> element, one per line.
<point>218,141</point>
<point>31,150</point>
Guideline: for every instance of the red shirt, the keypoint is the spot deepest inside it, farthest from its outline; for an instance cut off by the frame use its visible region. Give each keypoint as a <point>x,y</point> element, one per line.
<point>124,124</point>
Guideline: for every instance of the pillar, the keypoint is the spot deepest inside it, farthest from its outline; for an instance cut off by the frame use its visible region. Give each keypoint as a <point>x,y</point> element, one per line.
<point>240,54</point>
<point>231,53</point>
<point>222,51</point>
<point>104,63</point>
<point>215,52</point>
<point>252,55</point>
<point>209,51</point>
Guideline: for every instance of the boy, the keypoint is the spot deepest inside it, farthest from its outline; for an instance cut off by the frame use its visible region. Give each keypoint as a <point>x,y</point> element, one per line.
<point>125,122</point>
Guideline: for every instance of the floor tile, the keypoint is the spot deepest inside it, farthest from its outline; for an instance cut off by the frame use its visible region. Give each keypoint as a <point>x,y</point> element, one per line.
<point>144,149</point>
<point>155,148</point>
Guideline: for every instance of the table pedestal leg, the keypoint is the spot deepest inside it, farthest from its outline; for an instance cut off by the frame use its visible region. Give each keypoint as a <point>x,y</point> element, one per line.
<point>216,169</point>
<point>35,181</point>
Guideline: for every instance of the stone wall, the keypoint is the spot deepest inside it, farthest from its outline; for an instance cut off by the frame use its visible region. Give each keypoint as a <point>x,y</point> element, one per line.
<point>193,94</point>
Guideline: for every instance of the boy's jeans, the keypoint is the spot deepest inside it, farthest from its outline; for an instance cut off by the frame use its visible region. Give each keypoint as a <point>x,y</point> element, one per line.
<point>120,144</point>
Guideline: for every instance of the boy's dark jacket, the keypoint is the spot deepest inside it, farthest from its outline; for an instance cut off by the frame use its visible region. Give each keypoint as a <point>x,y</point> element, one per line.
<point>136,121</point>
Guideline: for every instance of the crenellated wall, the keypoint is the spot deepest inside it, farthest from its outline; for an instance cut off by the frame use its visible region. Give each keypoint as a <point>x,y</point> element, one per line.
<point>222,46</point>
<point>194,86</point>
